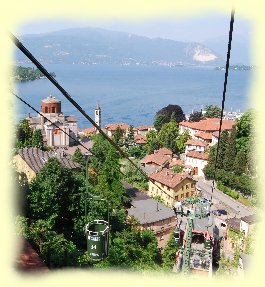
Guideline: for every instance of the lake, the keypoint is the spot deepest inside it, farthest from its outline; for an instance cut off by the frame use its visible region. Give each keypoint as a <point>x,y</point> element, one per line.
<point>133,94</point>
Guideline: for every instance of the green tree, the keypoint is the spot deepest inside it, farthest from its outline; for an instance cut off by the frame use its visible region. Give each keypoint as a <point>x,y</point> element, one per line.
<point>222,149</point>
<point>168,135</point>
<point>168,111</point>
<point>230,152</point>
<point>117,136</point>
<point>212,111</point>
<point>196,116</point>
<point>159,121</point>
<point>37,139</point>
<point>79,157</point>
<point>24,134</point>
<point>240,162</point>
<point>152,141</point>
<point>130,137</point>
<point>137,151</point>
<point>244,129</point>
<point>169,254</point>
<point>181,140</point>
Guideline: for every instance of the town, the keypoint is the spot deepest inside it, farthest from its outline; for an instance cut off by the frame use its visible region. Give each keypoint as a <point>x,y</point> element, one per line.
<point>190,213</point>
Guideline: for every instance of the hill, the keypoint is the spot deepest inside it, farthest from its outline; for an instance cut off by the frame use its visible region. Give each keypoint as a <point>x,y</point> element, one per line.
<point>98,46</point>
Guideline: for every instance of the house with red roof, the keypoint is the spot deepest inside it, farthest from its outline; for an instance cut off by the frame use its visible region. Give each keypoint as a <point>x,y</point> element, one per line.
<point>143,130</point>
<point>139,139</point>
<point>197,160</point>
<point>208,125</point>
<point>170,186</point>
<point>110,128</point>
<point>195,145</point>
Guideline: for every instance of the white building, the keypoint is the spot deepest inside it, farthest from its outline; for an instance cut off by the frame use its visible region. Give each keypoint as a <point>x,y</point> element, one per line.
<point>198,160</point>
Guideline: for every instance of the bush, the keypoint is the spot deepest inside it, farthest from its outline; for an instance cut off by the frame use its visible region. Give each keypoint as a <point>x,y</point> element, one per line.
<point>227,190</point>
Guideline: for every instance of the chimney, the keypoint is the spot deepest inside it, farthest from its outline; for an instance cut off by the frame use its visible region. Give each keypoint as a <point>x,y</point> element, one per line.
<point>28,115</point>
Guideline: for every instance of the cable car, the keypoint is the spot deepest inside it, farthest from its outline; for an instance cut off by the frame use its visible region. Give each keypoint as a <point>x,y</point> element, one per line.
<point>97,232</point>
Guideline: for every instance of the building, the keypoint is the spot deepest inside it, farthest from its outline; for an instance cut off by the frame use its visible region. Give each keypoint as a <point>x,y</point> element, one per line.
<point>110,128</point>
<point>151,215</point>
<point>156,161</point>
<point>208,125</point>
<point>247,224</point>
<point>143,130</point>
<point>170,186</point>
<point>31,160</point>
<point>98,115</point>
<point>197,160</point>
<point>65,135</point>
<point>140,140</point>
<point>195,145</point>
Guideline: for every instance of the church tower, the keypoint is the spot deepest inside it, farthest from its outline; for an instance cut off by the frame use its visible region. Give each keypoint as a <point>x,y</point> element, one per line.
<point>98,115</point>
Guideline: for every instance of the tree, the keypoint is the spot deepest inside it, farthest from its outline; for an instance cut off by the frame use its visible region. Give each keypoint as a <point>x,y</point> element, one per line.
<point>78,157</point>
<point>168,135</point>
<point>137,151</point>
<point>244,129</point>
<point>117,136</point>
<point>222,149</point>
<point>37,139</point>
<point>159,121</point>
<point>152,141</point>
<point>181,140</point>
<point>129,141</point>
<point>164,115</point>
<point>196,116</point>
<point>240,162</point>
<point>230,152</point>
<point>169,254</point>
<point>212,111</point>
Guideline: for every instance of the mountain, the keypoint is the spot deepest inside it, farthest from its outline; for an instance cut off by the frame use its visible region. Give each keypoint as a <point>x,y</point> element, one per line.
<point>94,45</point>
<point>240,48</point>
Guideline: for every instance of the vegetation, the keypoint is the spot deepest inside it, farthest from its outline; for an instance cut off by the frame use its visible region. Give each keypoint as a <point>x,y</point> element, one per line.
<point>28,137</point>
<point>212,111</point>
<point>196,116</point>
<point>235,169</point>
<point>27,73</point>
<point>167,114</point>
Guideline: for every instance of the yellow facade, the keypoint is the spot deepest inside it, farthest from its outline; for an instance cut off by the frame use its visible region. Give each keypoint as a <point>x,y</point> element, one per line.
<point>23,167</point>
<point>186,188</point>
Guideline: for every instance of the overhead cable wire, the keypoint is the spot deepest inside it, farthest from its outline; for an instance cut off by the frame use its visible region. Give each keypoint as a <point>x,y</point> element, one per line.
<point>224,91</point>
<point>24,50</point>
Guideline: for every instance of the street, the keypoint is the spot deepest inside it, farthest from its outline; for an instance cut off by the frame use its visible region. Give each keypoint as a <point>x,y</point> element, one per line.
<point>233,207</point>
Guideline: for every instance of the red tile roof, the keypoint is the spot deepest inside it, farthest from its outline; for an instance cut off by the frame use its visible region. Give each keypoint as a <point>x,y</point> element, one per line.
<point>143,128</point>
<point>209,124</point>
<point>177,162</point>
<point>164,151</point>
<point>89,130</point>
<point>205,136</point>
<point>139,139</point>
<point>196,142</point>
<point>113,127</point>
<point>169,178</point>
<point>216,134</point>
<point>198,155</point>
<point>158,159</point>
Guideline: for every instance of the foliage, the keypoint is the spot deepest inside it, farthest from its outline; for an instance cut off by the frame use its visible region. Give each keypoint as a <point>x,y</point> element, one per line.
<point>227,190</point>
<point>134,176</point>
<point>177,168</point>
<point>222,149</point>
<point>129,139</point>
<point>230,151</point>
<point>137,151</point>
<point>167,114</point>
<point>152,143</point>
<point>117,136</point>
<point>169,253</point>
<point>212,111</point>
<point>168,135</point>
<point>27,137</point>
<point>134,249</point>
<point>181,140</point>
<point>27,73</point>
<point>196,116</point>
<point>78,157</point>
<point>244,129</point>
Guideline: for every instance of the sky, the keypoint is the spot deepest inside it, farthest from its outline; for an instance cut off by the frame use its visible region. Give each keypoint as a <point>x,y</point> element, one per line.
<point>197,28</point>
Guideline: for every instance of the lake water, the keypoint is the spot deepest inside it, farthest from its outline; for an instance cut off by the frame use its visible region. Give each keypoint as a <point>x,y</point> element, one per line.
<point>133,94</point>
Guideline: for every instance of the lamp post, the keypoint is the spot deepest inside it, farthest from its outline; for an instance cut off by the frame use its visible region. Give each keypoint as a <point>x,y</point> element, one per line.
<point>87,157</point>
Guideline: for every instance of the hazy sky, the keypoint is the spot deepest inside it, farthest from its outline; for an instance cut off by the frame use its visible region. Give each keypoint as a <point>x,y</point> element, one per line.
<point>196,28</point>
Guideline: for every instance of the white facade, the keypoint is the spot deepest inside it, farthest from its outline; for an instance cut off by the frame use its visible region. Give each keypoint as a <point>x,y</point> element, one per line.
<point>195,148</point>
<point>197,164</point>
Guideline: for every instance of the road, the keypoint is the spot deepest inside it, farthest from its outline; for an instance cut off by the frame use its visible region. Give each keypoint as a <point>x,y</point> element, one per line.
<point>234,207</point>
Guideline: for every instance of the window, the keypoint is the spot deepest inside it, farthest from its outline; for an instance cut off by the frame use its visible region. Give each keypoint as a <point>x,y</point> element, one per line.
<point>187,186</point>
<point>187,194</point>
<point>162,185</point>
<point>182,195</point>
<point>177,198</point>
<point>53,109</point>
<point>152,188</point>
<point>168,188</point>
<point>182,187</point>
<point>46,110</point>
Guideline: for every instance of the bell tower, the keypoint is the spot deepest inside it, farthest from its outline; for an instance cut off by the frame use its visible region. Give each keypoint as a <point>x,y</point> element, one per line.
<point>98,115</point>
